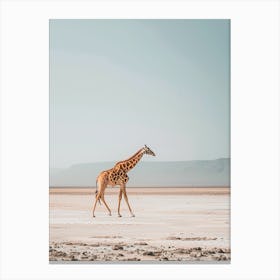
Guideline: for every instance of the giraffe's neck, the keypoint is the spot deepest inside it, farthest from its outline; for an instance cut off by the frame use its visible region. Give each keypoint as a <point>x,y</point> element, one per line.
<point>130,163</point>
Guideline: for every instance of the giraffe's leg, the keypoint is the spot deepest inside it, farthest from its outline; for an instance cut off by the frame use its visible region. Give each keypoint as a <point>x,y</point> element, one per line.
<point>103,200</point>
<point>126,199</point>
<point>119,205</point>
<point>96,199</point>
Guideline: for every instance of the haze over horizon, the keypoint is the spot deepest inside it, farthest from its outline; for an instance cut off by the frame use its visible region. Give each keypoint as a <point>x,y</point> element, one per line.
<point>148,159</point>
<point>156,174</point>
<point>116,85</point>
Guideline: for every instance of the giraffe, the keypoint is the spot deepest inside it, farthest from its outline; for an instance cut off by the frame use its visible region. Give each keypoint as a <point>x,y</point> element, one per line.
<point>118,176</point>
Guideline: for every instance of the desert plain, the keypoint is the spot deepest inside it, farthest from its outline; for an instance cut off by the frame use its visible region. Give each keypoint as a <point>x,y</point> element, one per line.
<point>171,225</point>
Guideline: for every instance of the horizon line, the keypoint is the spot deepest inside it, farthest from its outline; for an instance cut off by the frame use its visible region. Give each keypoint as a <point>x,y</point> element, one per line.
<point>153,186</point>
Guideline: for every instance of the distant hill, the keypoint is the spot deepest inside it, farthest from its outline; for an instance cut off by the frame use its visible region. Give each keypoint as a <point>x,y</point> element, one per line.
<point>169,173</point>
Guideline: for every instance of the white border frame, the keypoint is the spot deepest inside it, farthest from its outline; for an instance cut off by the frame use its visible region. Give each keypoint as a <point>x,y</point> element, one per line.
<point>254,137</point>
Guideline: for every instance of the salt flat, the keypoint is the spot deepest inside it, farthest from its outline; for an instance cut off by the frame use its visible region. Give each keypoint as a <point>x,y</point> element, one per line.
<point>180,224</point>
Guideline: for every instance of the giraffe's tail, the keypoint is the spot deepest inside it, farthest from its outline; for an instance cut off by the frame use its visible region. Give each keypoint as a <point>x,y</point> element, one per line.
<point>96,192</point>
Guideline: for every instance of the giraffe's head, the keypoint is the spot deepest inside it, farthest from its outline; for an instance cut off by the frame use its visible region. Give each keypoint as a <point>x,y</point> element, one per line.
<point>148,151</point>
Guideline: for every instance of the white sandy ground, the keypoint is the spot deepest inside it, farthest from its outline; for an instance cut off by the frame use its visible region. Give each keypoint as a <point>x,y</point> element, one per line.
<point>165,227</point>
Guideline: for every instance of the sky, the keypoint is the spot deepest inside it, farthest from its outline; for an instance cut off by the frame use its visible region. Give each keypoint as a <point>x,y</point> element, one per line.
<point>116,85</point>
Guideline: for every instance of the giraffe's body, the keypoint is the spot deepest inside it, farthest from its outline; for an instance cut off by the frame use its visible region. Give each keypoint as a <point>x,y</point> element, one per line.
<point>112,177</point>
<point>118,176</point>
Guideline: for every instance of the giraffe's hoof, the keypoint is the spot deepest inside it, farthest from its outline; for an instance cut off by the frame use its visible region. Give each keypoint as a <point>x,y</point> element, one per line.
<point>132,215</point>
<point>93,216</point>
<point>110,214</point>
<point>119,215</point>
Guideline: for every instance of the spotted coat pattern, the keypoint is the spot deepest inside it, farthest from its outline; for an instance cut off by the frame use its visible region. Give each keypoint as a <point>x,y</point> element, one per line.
<point>118,174</point>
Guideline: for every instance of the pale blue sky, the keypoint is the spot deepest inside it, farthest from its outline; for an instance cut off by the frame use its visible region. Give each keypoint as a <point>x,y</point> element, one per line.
<point>116,85</point>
